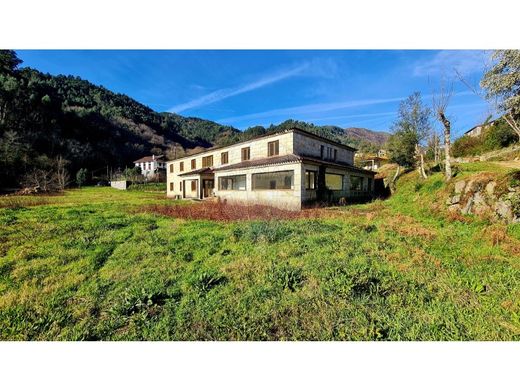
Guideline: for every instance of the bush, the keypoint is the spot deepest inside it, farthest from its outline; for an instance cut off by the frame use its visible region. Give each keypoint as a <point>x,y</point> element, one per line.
<point>467,146</point>
<point>497,136</point>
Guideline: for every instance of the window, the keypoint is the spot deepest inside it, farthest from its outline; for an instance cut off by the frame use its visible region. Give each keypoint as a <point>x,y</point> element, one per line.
<point>369,186</point>
<point>148,166</point>
<point>193,164</point>
<point>333,182</point>
<point>171,168</point>
<point>246,153</point>
<point>171,186</point>
<point>282,180</point>
<point>335,154</point>
<point>224,157</point>
<point>207,161</point>
<point>322,152</point>
<point>356,183</point>
<point>232,183</point>
<point>311,180</point>
<point>181,166</point>
<point>273,148</point>
<point>194,185</point>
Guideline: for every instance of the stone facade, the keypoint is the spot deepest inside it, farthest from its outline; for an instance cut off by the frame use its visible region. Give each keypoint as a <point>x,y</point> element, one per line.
<point>285,182</point>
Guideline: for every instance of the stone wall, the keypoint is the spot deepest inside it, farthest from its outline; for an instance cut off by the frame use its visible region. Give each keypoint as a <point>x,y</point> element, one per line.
<point>119,184</point>
<point>482,196</point>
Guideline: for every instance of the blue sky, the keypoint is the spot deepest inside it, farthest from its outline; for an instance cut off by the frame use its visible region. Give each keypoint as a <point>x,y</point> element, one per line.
<point>246,88</point>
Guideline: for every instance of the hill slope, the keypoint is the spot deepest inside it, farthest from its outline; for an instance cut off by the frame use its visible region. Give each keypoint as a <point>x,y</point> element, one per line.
<point>44,116</point>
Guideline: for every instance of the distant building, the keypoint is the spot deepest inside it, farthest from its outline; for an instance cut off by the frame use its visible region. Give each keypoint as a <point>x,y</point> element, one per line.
<point>476,131</point>
<point>151,165</point>
<point>373,163</point>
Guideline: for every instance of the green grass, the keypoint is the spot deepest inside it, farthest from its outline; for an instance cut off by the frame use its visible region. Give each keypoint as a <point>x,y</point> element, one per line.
<point>92,265</point>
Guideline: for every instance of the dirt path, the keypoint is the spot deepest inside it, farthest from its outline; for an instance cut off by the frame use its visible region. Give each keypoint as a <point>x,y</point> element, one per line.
<point>508,164</point>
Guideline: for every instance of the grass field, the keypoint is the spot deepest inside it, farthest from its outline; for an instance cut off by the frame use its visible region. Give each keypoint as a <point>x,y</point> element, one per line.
<point>94,264</point>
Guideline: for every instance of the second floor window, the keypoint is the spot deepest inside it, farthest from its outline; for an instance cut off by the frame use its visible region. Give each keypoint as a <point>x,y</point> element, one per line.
<point>246,154</point>
<point>193,164</point>
<point>181,166</point>
<point>171,168</point>
<point>224,158</point>
<point>273,148</point>
<point>207,161</point>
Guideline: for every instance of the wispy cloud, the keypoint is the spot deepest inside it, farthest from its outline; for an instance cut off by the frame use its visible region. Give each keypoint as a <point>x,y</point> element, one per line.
<point>309,108</point>
<point>225,93</point>
<point>466,62</point>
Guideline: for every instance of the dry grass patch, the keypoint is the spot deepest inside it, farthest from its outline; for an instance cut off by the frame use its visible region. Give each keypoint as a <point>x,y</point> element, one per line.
<point>226,212</point>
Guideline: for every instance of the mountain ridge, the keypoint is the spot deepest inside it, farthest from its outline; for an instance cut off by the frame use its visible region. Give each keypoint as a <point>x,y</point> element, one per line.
<point>43,117</point>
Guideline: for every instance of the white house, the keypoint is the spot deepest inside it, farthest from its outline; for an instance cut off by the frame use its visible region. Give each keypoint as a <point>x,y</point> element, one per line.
<point>151,165</point>
<point>283,169</point>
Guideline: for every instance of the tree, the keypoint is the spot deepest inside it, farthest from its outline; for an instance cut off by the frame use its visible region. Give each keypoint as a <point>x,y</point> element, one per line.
<point>61,175</point>
<point>81,177</point>
<point>411,128</point>
<point>8,61</point>
<point>502,86</point>
<point>440,104</point>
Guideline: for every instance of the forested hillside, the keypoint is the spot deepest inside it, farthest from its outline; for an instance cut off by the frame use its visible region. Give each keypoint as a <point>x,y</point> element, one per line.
<point>45,118</point>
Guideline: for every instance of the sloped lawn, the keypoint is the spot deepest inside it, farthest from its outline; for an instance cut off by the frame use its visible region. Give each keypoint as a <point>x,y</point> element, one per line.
<point>100,264</point>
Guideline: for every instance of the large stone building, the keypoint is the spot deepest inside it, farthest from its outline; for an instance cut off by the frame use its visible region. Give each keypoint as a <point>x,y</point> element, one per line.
<point>284,169</point>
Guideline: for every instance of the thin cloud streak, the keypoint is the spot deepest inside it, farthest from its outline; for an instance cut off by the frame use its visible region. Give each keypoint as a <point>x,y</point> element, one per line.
<point>466,62</point>
<point>322,107</point>
<point>310,108</point>
<point>225,93</point>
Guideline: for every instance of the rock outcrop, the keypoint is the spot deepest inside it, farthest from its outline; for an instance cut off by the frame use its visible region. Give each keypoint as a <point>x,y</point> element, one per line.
<point>484,196</point>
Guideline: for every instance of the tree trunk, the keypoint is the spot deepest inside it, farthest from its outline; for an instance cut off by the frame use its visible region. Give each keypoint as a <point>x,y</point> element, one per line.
<point>447,144</point>
<point>512,123</point>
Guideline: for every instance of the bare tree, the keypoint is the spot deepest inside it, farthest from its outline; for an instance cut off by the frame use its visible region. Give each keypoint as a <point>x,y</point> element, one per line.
<point>61,175</point>
<point>440,104</point>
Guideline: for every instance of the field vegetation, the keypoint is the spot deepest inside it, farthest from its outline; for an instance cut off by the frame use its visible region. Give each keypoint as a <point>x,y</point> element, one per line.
<point>102,264</point>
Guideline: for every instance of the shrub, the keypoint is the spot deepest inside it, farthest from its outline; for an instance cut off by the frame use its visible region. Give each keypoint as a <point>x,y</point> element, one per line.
<point>467,146</point>
<point>498,136</point>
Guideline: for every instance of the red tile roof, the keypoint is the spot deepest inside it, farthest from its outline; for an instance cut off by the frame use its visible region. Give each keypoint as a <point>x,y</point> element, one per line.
<point>150,159</point>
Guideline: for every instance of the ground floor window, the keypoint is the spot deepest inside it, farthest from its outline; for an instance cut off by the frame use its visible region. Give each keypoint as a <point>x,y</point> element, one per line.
<point>171,186</point>
<point>356,183</point>
<point>311,180</point>
<point>231,183</point>
<point>369,186</point>
<point>194,185</point>
<point>282,180</point>
<point>333,181</point>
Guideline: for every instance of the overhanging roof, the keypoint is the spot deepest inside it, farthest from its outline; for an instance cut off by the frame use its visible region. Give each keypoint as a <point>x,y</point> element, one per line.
<point>288,159</point>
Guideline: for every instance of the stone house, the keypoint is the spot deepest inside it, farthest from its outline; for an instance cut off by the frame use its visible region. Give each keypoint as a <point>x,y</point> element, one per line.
<point>284,169</point>
<point>151,165</point>
<point>476,131</point>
